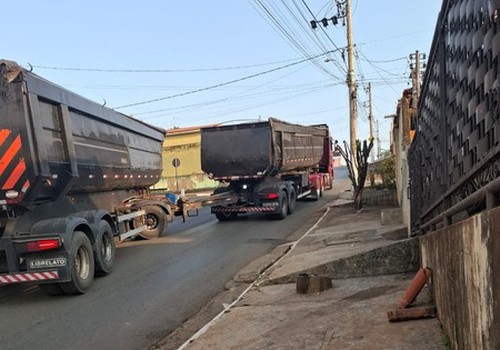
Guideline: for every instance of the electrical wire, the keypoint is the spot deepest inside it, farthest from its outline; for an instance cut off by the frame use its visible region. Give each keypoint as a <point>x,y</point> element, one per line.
<point>107,70</point>
<point>327,36</point>
<point>378,69</point>
<point>267,15</point>
<point>386,61</point>
<point>235,96</point>
<point>312,35</point>
<point>393,37</point>
<point>271,100</point>
<point>272,14</point>
<point>211,87</point>
<point>258,100</point>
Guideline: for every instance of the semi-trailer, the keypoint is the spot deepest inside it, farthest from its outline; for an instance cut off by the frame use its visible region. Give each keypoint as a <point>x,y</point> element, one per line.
<point>74,175</point>
<point>267,166</point>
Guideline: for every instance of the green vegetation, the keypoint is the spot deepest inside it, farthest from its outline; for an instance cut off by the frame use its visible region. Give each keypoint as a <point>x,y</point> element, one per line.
<point>446,342</point>
<point>387,171</point>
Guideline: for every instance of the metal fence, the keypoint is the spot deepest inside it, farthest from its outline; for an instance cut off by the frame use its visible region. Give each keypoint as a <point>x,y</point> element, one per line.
<point>455,156</point>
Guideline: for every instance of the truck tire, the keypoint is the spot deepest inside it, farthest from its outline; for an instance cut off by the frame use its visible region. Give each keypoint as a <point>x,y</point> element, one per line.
<point>51,288</point>
<point>81,262</point>
<point>226,216</point>
<point>316,192</point>
<point>104,249</point>
<point>155,220</point>
<point>292,201</point>
<point>283,208</point>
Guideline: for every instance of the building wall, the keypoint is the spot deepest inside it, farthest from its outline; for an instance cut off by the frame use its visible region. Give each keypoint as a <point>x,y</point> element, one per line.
<point>466,279</point>
<point>184,146</point>
<point>404,142</point>
<point>401,142</point>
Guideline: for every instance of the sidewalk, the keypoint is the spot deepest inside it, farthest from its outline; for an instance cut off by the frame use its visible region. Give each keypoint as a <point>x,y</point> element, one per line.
<point>370,266</point>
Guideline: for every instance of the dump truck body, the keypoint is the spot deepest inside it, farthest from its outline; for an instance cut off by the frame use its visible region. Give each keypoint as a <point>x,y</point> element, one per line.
<point>260,149</point>
<point>69,168</point>
<point>268,165</point>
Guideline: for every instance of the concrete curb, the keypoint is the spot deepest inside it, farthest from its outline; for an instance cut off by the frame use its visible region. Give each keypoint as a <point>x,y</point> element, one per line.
<point>252,271</point>
<point>394,258</point>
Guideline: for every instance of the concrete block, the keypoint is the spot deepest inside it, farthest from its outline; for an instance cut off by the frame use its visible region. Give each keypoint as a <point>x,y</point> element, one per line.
<point>312,284</point>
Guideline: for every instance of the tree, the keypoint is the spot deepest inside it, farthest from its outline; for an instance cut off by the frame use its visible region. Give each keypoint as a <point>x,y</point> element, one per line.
<point>358,169</point>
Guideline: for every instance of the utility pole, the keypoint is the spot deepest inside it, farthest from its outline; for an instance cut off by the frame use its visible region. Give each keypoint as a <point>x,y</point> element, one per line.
<point>415,76</point>
<point>351,81</point>
<point>344,12</point>
<point>370,115</point>
<point>379,149</point>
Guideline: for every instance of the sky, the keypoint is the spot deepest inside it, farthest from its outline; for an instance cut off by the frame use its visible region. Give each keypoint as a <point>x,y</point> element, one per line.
<point>192,62</point>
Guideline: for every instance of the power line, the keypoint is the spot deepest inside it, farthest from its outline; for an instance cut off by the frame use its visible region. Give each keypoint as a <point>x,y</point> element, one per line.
<point>386,61</point>
<point>277,27</point>
<point>233,101</point>
<point>221,84</point>
<point>393,37</point>
<point>272,100</point>
<point>107,70</point>
<point>378,69</point>
<point>343,69</point>
<point>237,96</point>
<point>279,23</point>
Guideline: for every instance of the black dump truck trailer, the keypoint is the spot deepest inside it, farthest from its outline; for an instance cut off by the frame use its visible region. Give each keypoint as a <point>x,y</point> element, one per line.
<point>266,165</point>
<point>73,175</point>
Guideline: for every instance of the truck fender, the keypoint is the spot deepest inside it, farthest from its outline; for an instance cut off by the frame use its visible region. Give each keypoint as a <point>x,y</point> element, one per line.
<point>276,187</point>
<point>93,218</point>
<point>63,227</point>
<point>164,206</point>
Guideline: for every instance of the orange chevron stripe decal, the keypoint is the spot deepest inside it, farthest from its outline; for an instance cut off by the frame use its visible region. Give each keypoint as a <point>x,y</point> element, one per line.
<point>4,133</point>
<point>15,176</point>
<point>9,154</point>
<point>25,186</point>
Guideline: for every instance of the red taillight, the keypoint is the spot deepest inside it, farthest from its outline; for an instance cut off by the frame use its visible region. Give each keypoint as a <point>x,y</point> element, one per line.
<point>272,195</point>
<point>44,244</point>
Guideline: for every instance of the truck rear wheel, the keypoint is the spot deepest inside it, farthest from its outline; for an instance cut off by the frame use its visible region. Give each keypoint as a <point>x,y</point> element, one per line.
<point>155,221</point>
<point>104,250</point>
<point>226,216</point>
<point>292,202</point>
<point>283,208</point>
<point>81,262</point>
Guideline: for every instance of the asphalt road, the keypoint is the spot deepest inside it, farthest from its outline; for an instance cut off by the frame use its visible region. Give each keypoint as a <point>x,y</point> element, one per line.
<point>154,287</point>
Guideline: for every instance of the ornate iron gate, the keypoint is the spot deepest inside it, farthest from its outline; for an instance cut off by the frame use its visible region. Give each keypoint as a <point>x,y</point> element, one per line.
<point>456,149</point>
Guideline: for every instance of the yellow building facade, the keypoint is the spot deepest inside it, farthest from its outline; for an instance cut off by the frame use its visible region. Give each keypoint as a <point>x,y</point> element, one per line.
<point>182,163</point>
